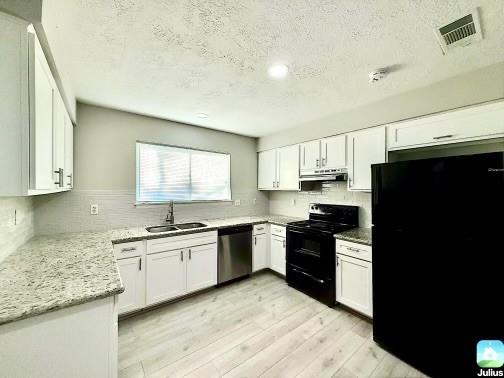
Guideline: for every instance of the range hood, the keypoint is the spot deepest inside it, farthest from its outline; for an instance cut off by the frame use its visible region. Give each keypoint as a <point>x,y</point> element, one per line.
<point>338,174</point>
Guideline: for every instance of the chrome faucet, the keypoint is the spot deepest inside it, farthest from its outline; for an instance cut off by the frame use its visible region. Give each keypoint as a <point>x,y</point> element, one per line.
<point>170,217</point>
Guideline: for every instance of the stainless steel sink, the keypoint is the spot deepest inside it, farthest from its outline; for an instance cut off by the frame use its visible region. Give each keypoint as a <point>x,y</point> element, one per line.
<point>155,229</point>
<point>187,226</point>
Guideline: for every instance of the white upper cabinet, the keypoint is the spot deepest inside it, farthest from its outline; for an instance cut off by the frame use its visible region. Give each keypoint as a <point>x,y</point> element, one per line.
<point>58,146</point>
<point>32,115</point>
<point>333,152</point>
<point>42,100</point>
<point>278,169</point>
<point>310,155</point>
<point>68,153</point>
<point>475,123</point>
<point>266,168</point>
<point>365,147</point>
<point>288,168</point>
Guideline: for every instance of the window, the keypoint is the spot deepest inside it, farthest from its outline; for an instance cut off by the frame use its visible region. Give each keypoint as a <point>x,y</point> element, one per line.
<point>166,173</point>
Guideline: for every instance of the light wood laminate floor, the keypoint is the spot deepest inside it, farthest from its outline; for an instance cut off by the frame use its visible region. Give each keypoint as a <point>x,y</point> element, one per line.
<point>255,327</point>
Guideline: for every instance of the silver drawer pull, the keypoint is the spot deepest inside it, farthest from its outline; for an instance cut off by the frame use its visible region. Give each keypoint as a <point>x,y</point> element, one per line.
<point>260,228</point>
<point>443,136</point>
<point>354,249</point>
<point>129,249</point>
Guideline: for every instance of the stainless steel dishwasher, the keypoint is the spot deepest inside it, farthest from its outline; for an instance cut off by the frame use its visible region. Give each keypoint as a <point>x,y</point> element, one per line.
<point>234,252</point>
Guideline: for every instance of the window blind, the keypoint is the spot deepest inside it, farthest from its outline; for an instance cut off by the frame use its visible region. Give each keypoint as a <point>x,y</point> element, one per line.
<point>166,173</point>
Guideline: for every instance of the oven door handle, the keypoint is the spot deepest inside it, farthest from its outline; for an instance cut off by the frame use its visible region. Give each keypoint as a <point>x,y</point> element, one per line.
<point>317,234</point>
<point>308,275</point>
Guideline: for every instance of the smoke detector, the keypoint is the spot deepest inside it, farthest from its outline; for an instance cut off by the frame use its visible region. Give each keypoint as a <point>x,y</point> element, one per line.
<point>459,33</point>
<point>377,75</point>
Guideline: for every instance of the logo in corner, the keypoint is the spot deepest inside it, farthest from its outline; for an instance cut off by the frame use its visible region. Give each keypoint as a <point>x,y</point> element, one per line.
<point>490,354</point>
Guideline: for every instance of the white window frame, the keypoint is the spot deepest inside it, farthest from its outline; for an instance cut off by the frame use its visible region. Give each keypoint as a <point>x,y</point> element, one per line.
<point>137,174</point>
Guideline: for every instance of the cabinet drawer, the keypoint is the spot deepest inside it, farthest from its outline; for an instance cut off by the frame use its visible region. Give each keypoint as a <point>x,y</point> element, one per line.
<point>278,230</point>
<point>260,229</point>
<point>181,241</point>
<point>132,249</point>
<point>359,251</point>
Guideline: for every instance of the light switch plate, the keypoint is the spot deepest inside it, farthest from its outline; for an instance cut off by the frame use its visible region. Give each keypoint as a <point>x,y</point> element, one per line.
<point>94,209</point>
<point>237,202</point>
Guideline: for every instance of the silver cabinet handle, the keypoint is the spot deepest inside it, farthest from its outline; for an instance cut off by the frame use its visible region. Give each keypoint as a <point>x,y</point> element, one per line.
<point>128,249</point>
<point>337,261</point>
<point>317,163</point>
<point>181,255</point>
<point>284,243</point>
<point>140,264</point>
<point>70,176</point>
<point>273,184</point>
<point>443,136</point>
<point>255,240</point>
<point>189,254</point>
<point>260,228</point>
<point>278,184</point>
<point>60,177</point>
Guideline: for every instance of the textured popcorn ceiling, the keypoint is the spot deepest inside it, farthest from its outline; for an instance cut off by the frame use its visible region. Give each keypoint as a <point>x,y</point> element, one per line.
<point>175,58</point>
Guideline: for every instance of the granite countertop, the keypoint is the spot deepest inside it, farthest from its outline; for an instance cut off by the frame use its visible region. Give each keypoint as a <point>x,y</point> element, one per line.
<point>357,235</point>
<point>53,272</point>
<point>140,233</point>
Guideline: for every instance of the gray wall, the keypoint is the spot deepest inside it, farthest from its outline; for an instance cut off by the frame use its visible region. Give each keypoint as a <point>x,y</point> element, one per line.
<point>104,166</point>
<point>15,230</point>
<point>478,86</point>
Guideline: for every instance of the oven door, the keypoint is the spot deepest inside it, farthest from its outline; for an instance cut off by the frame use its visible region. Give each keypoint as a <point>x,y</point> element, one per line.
<point>314,252</point>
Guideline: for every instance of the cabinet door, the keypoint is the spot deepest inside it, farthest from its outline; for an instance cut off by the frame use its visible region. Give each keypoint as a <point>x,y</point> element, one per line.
<point>201,267</point>
<point>166,278</point>
<point>68,152</point>
<point>277,254</point>
<point>354,284</point>
<point>288,168</point>
<point>132,271</point>
<point>59,118</point>
<point>365,147</point>
<point>41,137</point>
<point>260,258</point>
<point>333,151</point>
<point>310,155</point>
<point>266,170</point>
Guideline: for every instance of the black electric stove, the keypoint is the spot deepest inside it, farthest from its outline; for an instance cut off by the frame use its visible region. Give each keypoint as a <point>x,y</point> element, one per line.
<point>311,249</point>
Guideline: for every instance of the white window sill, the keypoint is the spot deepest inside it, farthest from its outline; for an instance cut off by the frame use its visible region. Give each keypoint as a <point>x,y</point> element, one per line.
<point>148,204</point>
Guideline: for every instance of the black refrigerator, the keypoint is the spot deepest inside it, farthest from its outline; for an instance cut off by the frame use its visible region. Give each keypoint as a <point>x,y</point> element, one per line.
<point>438,262</point>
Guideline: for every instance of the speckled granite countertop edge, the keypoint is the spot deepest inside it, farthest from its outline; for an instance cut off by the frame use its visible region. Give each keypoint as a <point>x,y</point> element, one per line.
<point>356,235</point>
<point>50,273</point>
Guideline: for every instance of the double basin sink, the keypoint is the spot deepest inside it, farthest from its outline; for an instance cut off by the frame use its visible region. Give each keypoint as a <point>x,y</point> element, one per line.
<point>175,227</point>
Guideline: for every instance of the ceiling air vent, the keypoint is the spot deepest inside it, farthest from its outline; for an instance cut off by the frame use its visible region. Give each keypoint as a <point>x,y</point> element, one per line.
<point>459,33</point>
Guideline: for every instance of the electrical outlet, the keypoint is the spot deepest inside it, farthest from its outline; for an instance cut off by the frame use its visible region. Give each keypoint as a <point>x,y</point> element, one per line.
<point>294,202</point>
<point>94,209</point>
<point>254,201</point>
<point>237,202</point>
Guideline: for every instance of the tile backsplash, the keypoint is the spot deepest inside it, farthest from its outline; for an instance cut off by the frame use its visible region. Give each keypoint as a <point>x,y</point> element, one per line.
<point>70,211</point>
<point>332,192</point>
<point>16,223</point>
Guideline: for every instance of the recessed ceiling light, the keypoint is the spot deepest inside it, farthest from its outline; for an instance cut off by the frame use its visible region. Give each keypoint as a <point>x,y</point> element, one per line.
<point>201,115</point>
<point>278,71</point>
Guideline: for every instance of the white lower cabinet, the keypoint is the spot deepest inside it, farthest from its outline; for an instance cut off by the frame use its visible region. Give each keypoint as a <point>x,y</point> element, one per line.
<point>132,271</point>
<point>201,267</point>
<point>354,283</point>
<point>277,254</point>
<point>260,258</point>
<point>260,248</point>
<point>166,276</point>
